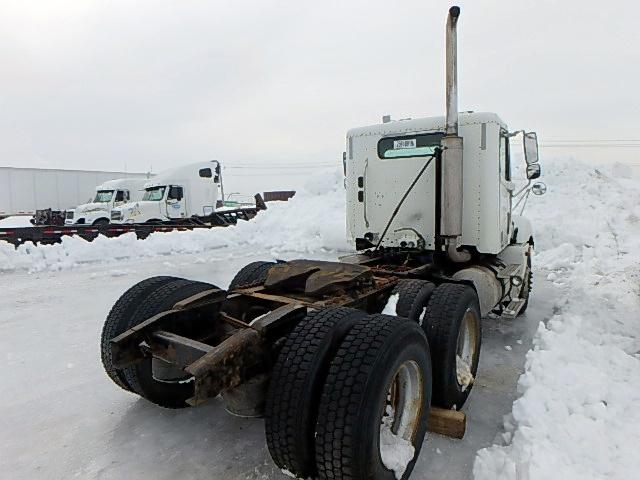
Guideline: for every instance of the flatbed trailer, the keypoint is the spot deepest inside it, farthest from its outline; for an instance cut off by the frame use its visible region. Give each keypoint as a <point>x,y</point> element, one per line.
<point>51,234</point>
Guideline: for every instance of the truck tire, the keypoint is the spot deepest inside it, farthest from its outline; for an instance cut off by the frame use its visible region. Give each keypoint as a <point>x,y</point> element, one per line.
<point>379,382</point>
<point>413,296</point>
<point>118,321</point>
<point>101,222</point>
<point>296,384</point>
<point>139,376</point>
<point>453,327</point>
<point>251,275</point>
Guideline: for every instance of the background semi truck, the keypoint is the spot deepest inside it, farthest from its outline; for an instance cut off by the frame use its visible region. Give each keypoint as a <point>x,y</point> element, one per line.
<point>183,192</point>
<point>114,193</point>
<point>25,190</point>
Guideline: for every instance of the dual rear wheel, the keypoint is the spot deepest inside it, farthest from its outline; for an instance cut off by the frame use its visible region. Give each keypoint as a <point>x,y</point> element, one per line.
<point>350,393</point>
<point>450,316</point>
<point>347,393</point>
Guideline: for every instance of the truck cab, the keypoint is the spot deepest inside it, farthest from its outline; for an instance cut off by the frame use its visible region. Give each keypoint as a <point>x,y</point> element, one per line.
<point>109,195</point>
<point>381,162</point>
<point>191,190</point>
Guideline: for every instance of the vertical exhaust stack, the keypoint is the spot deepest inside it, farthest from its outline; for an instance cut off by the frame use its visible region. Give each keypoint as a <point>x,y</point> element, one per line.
<point>451,201</point>
<point>452,71</point>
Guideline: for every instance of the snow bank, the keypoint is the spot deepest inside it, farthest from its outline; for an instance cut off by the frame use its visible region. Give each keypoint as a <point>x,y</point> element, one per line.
<point>16,221</point>
<point>577,416</point>
<point>314,220</point>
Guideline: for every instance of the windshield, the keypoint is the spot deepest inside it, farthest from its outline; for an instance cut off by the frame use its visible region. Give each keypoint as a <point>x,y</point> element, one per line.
<point>153,194</point>
<point>103,196</point>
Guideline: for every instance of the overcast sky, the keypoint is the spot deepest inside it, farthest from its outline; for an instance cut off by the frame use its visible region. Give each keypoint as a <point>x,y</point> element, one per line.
<point>114,84</point>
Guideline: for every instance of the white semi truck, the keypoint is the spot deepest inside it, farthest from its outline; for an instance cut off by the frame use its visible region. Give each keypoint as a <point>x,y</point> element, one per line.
<point>109,195</point>
<point>183,192</point>
<point>346,390</point>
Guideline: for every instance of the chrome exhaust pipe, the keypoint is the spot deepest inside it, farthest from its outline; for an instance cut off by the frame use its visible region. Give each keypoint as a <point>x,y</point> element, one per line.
<point>452,71</point>
<point>452,174</point>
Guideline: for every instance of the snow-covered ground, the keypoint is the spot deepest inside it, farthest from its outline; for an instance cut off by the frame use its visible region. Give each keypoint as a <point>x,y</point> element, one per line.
<point>574,413</point>
<point>577,416</point>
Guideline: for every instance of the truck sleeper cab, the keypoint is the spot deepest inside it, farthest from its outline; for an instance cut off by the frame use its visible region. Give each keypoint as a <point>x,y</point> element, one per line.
<point>383,160</point>
<point>191,190</point>
<point>109,195</point>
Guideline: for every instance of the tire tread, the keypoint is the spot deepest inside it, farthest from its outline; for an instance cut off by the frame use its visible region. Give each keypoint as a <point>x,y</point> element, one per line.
<point>296,383</point>
<point>119,320</point>
<point>340,406</point>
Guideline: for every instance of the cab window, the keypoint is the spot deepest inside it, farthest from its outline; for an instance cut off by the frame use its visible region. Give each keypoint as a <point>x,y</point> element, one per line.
<point>153,194</point>
<point>103,196</point>
<point>505,161</point>
<point>418,145</point>
<point>175,193</point>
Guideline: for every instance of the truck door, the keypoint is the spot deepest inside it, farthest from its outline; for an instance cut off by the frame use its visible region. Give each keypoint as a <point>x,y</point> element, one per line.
<point>506,187</point>
<point>175,202</point>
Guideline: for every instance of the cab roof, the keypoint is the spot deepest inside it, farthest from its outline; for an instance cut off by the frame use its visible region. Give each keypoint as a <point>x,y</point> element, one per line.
<point>123,183</point>
<point>414,125</point>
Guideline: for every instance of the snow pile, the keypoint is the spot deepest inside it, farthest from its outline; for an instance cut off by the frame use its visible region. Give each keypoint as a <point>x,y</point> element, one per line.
<point>392,303</point>
<point>395,451</point>
<point>463,373</point>
<point>577,416</point>
<point>314,220</point>
<point>16,221</point>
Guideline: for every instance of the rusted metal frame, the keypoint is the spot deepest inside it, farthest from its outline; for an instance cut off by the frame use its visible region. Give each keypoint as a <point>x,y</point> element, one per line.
<point>125,347</point>
<point>381,283</point>
<point>176,349</point>
<point>225,317</point>
<point>227,365</point>
<point>246,308</point>
<point>348,300</point>
<point>241,356</point>
<point>279,321</point>
<point>258,292</point>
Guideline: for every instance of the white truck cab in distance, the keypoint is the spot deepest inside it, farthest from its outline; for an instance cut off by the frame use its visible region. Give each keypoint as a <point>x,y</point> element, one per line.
<point>183,192</point>
<point>109,195</point>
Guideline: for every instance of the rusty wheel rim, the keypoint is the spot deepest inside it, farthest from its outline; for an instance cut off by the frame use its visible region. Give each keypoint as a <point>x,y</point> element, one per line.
<point>404,400</point>
<point>466,348</point>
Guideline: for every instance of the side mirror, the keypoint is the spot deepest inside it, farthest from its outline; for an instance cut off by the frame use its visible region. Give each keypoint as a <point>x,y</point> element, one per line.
<point>533,171</point>
<point>539,188</point>
<point>531,148</point>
